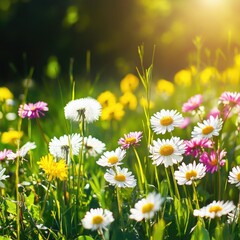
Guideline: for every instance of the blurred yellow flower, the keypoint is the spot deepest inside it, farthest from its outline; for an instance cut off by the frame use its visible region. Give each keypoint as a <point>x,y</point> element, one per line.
<point>231,75</point>
<point>208,74</point>
<point>11,137</point>
<point>165,88</point>
<point>53,169</point>
<point>129,83</point>
<point>183,78</point>
<point>106,98</point>
<point>237,60</point>
<point>128,99</point>
<point>144,103</point>
<point>114,111</point>
<point>5,94</point>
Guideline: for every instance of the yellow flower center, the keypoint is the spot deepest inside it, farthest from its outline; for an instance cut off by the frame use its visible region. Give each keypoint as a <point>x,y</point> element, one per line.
<point>97,219</point>
<point>191,174</point>
<point>166,150</point>
<point>120,177</point>
<point>147,207</point>
<point>130,140</point>
<point>207,130</point>
<point>166,121</point>
<point>113,160</point>
<point>214,162</point>
<point>215,209</point>
<point>238,177</point>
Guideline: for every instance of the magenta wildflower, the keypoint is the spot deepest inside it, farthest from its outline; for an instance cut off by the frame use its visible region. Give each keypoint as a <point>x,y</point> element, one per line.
<point>4,153</point>
<point>192,103</point>
<point>196,146</point>
<point>214,160</point>
<point>130,139</point>
<point>32,110</point>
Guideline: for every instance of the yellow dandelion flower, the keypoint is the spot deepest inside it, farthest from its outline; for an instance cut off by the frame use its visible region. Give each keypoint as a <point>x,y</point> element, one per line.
<point>128,99</point>
<point>11,137</point>
<point>183,78</point>
<point>114,111</point>
<point>208,74</point>
<point>165,88</point>
<point>144,103</point>
<point>106,98</point>
<point>231,75</point>
<point>129,83</point>
<point>53,169</point>
<point>5,94</point>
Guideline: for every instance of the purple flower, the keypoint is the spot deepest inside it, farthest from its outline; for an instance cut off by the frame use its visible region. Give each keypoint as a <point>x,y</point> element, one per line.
<point>195,146</point>
<point>213,160</point>
<point>130,139</point>
<point>192,103</point>
<point>4,153</point>
<point>32,110</point>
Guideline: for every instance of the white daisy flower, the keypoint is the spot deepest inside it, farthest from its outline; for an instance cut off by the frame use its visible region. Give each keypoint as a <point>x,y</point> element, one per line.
<point>112,158</point>
<point>22,152</point>
<point>215,209</point>
<point>2,176</point>
<point>93,146</point>
<point>146,207</point>
<point>167,151</point>
<point>97,219</point>
<point>189,173</point>
<point>165,121</point>
<point>208,128</point>
<point>120,177</point>
<point>234,215</point>
<point>66,144</point>
<point>234,176</point>
<point>87,109</point>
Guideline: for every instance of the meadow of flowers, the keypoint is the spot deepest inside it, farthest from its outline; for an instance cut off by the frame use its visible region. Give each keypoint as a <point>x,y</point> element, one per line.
<point>146,159</point>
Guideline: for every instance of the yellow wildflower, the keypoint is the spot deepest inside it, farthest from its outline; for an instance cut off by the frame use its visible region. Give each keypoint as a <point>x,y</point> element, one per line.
<point>231,75</point>
<point>144,103</point>
<point>114,111</point>
<point>165,88</point>
<point>208,74</point>
<point>5,94</point>
<point>237,60</point>
<point>128,99</point>
<point>106,98</point>
<point>11,137</point>
<point>129,83</point>
<point>183,78</point>
<point>53,169</point>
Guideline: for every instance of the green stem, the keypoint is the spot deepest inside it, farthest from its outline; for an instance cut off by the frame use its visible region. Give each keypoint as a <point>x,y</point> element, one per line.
<point>140,168</point>
<point>175,183</point>
<point>45,200</point>
<point>17,197</point>
<point>41,131</point>
<point>169,183</point>
<point>195,197</point>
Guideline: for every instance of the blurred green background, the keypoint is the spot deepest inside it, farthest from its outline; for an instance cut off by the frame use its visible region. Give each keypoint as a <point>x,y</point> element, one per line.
<point>47,35</point>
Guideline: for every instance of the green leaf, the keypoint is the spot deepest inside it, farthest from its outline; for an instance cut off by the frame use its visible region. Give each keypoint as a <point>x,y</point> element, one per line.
<point>11,207</point>
<point>5,238</point>
<point>84,238</point>
<point>200,232</point>
<point>158,230</point>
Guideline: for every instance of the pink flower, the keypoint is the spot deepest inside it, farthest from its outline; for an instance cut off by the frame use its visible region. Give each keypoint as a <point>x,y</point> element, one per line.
<point>4,153</point>
<point>230,98</point>
<point>195,146</point>
<point>32,110</point>
<point>130,139</point>
<point>213,160</point>
<point>185,123</point>
<point>214,112</point>
<point>192,103</point>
